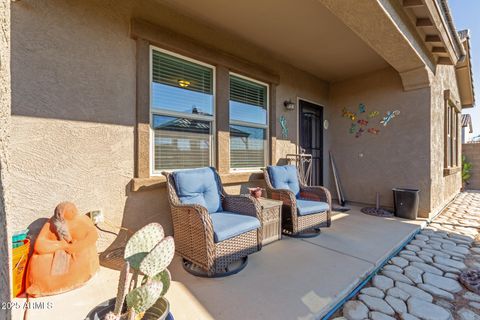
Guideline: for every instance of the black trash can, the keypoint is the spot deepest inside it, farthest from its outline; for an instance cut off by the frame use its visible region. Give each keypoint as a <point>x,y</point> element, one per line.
<point>406,202</point>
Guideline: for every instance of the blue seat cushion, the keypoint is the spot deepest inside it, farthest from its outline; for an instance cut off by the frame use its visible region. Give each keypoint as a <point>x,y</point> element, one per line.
<point>284,177</point>
<point>227,225</point>
<point>198,186</point>
<point>306,207</point>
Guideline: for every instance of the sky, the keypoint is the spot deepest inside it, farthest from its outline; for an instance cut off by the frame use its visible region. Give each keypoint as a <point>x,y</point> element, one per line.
<point>466,15</point>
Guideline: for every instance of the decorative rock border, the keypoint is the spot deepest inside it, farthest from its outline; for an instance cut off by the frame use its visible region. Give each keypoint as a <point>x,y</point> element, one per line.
<point>422,281</point>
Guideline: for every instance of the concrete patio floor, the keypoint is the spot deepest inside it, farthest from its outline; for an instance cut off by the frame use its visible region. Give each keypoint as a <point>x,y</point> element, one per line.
<point>289,279</point>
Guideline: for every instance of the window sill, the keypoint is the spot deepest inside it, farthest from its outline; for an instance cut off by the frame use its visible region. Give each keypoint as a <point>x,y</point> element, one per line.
<point>451,170</point>
<point>152,183</point>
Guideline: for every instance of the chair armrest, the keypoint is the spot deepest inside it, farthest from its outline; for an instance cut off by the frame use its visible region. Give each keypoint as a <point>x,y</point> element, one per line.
<point>316,193</point>
<point>284,195</point>
<point>243,204</point>
<point>198,215</point>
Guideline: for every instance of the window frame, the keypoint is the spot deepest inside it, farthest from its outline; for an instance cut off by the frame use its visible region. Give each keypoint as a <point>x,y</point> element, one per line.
<point>266,126</point>
<point>451,143</point>
<point>169,113</point>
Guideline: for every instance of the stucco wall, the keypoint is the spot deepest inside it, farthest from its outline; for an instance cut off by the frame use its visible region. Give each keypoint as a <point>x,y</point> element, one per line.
<point>73,99</point>
<point>5,105</point>
<point>398,156</point>
<point>74,107</point>
<point>444,187</point>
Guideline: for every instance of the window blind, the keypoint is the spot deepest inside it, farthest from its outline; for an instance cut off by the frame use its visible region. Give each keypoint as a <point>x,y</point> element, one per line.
<point>181,92</point>
<point>247,92</point>
<point>181,143</point>
<point>177,72</point>
<point>247,147</point>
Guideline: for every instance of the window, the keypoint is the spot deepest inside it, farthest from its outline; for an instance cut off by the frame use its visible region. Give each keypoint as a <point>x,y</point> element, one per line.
<point>182,112</point>
<point>451,135</point>
<point>248,123</point>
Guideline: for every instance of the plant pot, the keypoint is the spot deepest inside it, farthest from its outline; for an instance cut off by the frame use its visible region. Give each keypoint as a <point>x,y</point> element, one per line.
<point>159,311</point>
<point>255,192</point>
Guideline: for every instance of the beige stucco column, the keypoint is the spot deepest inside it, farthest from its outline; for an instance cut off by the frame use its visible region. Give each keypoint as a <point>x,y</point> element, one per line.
<point>222,119</point>
<point>5,111</point>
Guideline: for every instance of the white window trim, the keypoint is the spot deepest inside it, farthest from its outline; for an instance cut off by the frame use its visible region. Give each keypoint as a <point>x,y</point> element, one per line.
<point>254,125</point>
<point>156,111</point>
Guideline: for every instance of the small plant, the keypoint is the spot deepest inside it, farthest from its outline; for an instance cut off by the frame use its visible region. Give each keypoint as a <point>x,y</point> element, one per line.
<point>466,168</point>
<point>147,252</point>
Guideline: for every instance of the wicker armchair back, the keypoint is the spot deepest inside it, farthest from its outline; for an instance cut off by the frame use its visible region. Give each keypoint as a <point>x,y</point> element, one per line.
<point>194,232</point>
<point>292,222</point>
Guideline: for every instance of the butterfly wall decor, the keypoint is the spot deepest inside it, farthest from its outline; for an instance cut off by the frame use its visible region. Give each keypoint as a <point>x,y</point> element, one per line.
<point>365,124</point>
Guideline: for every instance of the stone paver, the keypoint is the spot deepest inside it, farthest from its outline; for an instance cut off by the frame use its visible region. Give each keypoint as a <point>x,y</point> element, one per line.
<point>374,315</point>
<point>374,292</point>
<point>355,310</point>
<point>397,276</point>
<point>426,310</point>
<point>442,282</point>
<point>414,274</point>
<point>376,304</point>
<point>382,282</point>
<point>414,291</point>
<point>421,282</point>
<point>398,305</point>
<point>466,314</point>
<point>436,291</point>
<point>398,293</point>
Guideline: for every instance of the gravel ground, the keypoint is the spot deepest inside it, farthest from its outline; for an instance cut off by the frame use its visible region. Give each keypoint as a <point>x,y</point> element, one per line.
<point>422,281</point>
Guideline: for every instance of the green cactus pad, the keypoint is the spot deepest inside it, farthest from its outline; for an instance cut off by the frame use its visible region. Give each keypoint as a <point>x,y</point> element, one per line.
<point>142,242</point>
<point>159,258</point>
<point>165,278</point>
<point>142,298</point>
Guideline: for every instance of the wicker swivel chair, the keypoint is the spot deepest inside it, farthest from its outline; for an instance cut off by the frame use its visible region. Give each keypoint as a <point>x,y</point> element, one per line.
<point>214,232</point>
<point>305,209</point>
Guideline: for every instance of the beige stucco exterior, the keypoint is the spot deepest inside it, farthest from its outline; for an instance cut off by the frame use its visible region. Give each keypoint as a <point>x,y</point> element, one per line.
<point>5,203</point>
<point>443,185</point>
<point>393,158</point>
<point>73,116</point>
<point>74,130</point>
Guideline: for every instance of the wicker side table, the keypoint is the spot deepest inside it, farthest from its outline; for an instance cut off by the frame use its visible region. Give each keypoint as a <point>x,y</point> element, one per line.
<point>271,220</point>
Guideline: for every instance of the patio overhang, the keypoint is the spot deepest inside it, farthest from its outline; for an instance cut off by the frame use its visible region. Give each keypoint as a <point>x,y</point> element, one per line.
<point>331,38</point>
<point>304,34</point>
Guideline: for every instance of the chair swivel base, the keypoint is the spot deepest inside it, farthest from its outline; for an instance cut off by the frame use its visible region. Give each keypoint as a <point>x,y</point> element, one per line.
<point>231,269</point>
<point>308,233</point>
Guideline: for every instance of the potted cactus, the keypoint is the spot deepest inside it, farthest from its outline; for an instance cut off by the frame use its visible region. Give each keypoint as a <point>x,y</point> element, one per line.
<point>147,253</point>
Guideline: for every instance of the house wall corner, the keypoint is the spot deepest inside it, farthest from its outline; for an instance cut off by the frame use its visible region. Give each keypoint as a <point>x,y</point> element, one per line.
<point>445,184</point>
<point>5,111</point>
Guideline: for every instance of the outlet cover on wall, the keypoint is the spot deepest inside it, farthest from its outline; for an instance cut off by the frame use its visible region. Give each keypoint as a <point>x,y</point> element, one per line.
<point>96,216</point>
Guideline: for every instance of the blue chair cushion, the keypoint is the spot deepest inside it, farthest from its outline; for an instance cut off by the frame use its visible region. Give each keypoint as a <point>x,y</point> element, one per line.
<point>199,186</point>
<point>306,207</point>
<point>284,177</point>
<point>227,225</point>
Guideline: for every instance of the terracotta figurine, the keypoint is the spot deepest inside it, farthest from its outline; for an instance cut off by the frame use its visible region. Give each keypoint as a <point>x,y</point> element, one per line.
<point>64,255</point>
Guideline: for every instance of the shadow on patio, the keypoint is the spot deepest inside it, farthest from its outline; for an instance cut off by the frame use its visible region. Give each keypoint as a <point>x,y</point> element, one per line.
<point>288,279</point>
<point>301,278</point>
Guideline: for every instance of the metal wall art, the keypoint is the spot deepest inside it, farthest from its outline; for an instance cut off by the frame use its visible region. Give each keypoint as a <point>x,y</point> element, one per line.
<point>390,115</point>
<point>367,122</point>
<point>283,124</point>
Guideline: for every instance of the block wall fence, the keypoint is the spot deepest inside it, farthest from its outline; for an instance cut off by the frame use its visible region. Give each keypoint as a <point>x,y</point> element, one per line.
<point>472,152</point>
